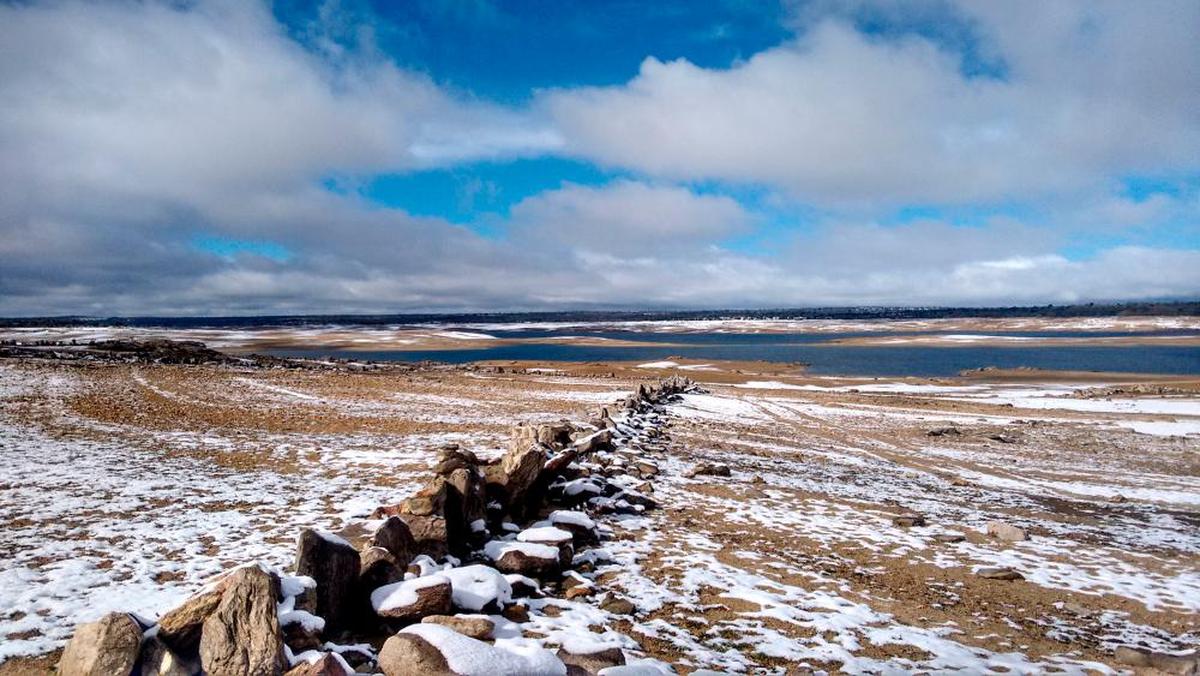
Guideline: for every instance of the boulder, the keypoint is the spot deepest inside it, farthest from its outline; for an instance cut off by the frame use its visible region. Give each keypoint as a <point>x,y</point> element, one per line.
<point>411,600</point>
<point>524,558</point>
<point>465,508</point>
<point>334,564</point>
<point>159,660</point>
<point>552,536</point>
<point>450,459</point>
<point>580,525</point>
<point>430,534</point>
<point>327,665</point>
<point>1006,531</point>
<point>478,588</point>
<point>999,574</point>
<point>243,636</point>
<point>516,614</point>
<point>908,520</point>
<point>395,536</point>
<point>709,469</point>
<point>411,655</point>
<point>378,568</point>
<point>478,627</point>
<point>179,628</point>
<point>520,469</point>
<point>593,662</point>
<point>107,646</point>
<point>618,606</point>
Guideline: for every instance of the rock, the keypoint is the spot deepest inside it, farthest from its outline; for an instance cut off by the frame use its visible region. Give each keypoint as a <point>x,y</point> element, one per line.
<point>1006,531</point>
<point>465,507</point>
<point>999,574</point>
<point>552,536</point>
<point>180,628</point>
<point>618,606</point>
<point>334,564</point>
<point>944,432</point>
<point>520,469</point>
<point>242,636</point>
<point>949,537</point>
<point>757,480</point>
<point>159,660</point>
<point>451,459</point>
<point>580,525</point>
<point>476,626</point>
<point>300,637</point>
<point>411,655</point>
<point>709,469</point>
<point>524,558</point>
<point>646,469</point>
<point>908,520</point>
<point>1118,498</point>
<point>429,534</point>
<point>107,646</point>
<point>522,586</point>
<point>1165,663</point>
<point>378,568</point>
<point>395,536</point>
<point>579,591</point>
<point>516,614</point>
<point>593,662</point>
<point>595,443</point>
<point>327,665</point>
<point>411,600</point>
<point>1003,438</point>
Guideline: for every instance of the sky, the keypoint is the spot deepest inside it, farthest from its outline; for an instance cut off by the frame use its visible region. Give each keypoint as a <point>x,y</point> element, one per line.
<point>199,157</point>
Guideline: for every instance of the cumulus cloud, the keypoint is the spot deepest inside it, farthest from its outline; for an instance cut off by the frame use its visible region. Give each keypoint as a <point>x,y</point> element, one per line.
<point>1088,90</point>
<point>132,130</point>
<point>628,217</point>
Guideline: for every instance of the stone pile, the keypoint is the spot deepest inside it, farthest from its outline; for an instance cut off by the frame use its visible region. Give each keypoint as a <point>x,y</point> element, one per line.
<point>415,595</point>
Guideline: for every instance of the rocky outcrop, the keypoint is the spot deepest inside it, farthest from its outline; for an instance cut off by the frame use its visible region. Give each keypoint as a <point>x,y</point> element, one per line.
<point>242,636</point>
<point>478,627</point>
<point>334,564</point>
<point>107,646</point>
<point>327,665</point>
<point>395,536</point>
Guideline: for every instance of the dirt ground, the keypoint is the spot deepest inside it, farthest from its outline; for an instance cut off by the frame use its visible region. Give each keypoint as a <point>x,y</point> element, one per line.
<point>124,486</point>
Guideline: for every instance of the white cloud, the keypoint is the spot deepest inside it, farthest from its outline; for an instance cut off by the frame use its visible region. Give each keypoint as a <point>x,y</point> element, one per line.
<point>627,217</point>
<point>836,116</point>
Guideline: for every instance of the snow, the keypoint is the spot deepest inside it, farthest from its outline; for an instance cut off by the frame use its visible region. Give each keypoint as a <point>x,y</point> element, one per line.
<point>658,365</point>
<point>572,517</point>
<point>404,594</point>
<point>544,535</point>
<point>469,657</point>
<point>498,548</point>
<point>476,587</point>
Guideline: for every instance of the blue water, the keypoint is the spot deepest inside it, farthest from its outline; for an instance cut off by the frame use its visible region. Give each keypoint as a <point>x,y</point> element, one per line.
<point>823,358</point>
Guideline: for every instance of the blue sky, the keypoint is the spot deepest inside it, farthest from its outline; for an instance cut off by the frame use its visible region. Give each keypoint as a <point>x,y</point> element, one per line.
<point>347,155</point>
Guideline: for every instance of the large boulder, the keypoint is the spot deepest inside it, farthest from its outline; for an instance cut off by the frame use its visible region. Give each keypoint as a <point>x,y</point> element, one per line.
<point>334,564</point>
<point>520,469</point>
<point>411,655</point>
<point>478,588</point>
<point>107,646</point>
<point>524,558</point>
<point>378,568</point>
<point>411,600</point>
<point>242,636</point>
<point>395,536</point>
<point>179,628</point>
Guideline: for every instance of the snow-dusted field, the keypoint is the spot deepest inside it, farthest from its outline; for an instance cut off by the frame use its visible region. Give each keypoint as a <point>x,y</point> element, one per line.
<point>122,487</point>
